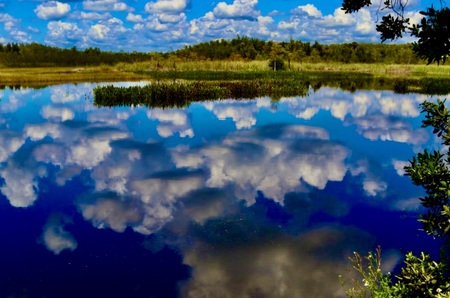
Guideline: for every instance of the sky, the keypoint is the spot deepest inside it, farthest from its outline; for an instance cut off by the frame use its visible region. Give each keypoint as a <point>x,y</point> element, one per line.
<point>166,25</point>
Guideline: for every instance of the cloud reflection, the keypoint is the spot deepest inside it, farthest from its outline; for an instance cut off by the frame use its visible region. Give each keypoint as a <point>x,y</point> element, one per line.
<point>171,121</point>
<point>55,237</point>
<point>275,266</point>
<point>152,186</point>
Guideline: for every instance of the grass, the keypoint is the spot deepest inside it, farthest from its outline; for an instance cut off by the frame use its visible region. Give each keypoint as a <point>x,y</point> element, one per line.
<point>378,70</point>
<point>179,94</point>
<point>219,70</point>
<point>57,75</point>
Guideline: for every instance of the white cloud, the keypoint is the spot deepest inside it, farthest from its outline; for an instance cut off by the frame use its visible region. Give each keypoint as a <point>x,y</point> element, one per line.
<point>81,15</point>
<point>339,18</point>
<point>374,187</point>
<point>51,153</point>
<point>399,166</point>
<point>52,10</point>
<point>243,113</point>
<point>57,113</point>
<point>135,18</point>
<point>171,121</point>
<point>106,5</point>
<point>309,9</point>
<point>245,9</point>
<point>56,238</point>
<point>11,143</point>
<point>159,194</point>
<point>273,166</point>
<point>63,32</point>
<point>114,213</point>
<point>385,128</point>
<point>20,185</point>
<point>90,151</point>
<point>400,105</point>
<point>171,18</point>
<point>110,31</point>
<point>166,6</point>
<point>69,93</point>
<point>9,22</point>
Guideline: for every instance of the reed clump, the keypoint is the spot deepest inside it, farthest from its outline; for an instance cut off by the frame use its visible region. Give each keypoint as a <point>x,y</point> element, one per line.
<point>180,94</point>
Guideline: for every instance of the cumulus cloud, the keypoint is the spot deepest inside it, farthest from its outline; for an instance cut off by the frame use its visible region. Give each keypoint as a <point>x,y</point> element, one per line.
<point>166,6</point>
<point>58,113</point>
<point>108,211</point>
<point>171,121</point>
<point>160,193</point>
<point>309,9</point>
<point>380,127</point>
<point>108,30</point>
<point>63,32</point>
<point>20,187</point>
<point>82,15</point>
<point>52,10</point>
<point>271,266</point>
<point>56,238</point>
<point>374,187</point>
<point>135,18</point>
<point>399,166</point>
<point>69,93</point>
<point>242,113</point>
<point>106,5</point>
<point>239,9</point>
<point>11,141</point>
<point>274,166</point>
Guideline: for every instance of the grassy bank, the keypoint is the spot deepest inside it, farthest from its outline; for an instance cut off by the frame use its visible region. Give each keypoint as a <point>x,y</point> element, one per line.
<point>214,70</point>
<point>378,70</point>
<point>57,75</point>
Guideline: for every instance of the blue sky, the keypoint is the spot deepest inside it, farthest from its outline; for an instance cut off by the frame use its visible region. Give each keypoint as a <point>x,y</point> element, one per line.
<point>164,25</point>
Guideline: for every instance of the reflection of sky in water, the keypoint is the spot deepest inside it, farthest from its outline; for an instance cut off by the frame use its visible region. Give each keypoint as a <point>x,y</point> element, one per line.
<point>235,199</point>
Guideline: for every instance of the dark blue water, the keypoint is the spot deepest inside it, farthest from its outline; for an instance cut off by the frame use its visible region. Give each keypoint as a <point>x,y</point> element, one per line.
<point>254,198</point>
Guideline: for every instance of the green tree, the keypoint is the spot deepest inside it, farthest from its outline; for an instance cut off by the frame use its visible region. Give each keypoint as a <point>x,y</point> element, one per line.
<point>277,54</point>
<point>432,31</point>
<point>431,170</point>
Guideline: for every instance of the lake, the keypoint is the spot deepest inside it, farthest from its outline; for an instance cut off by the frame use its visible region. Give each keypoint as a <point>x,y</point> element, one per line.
<point>248,198</point>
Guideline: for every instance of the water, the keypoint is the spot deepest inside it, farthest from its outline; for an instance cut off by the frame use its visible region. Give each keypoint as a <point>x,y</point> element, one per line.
<point>256,198</point>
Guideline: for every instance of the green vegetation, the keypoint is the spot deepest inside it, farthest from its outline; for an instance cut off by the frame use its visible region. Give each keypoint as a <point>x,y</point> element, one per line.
<point>241,58</point>
<point>238,49</point>
<point>43,76</point>
<point>419,276</point>
<point>431,31</point>
<point>181,94</point>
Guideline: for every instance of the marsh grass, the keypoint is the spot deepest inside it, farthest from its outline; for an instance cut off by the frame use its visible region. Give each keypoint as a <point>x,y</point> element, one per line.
<point>55,75</point>
<point>384,70</point>
<point>400,78</point>
<point>180,94</point>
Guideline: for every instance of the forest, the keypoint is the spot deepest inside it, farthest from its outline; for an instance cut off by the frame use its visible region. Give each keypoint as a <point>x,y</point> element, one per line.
<point>239,48</point>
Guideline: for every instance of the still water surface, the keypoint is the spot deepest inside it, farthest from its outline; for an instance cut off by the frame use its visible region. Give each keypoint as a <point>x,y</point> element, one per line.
<point>252,198</point>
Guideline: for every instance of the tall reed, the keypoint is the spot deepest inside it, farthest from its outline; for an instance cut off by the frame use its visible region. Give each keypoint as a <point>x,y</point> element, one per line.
<point>180,94</point>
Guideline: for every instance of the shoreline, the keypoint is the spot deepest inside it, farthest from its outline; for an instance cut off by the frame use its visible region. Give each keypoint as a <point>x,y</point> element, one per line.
<point>147,71</point>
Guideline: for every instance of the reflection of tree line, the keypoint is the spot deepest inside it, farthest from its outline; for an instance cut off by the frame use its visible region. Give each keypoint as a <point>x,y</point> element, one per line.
<point>174,93</point>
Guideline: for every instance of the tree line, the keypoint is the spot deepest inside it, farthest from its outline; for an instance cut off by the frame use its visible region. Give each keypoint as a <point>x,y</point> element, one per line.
<point>38,55</point>
<point>239,48</point>
<point>246,48</point>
